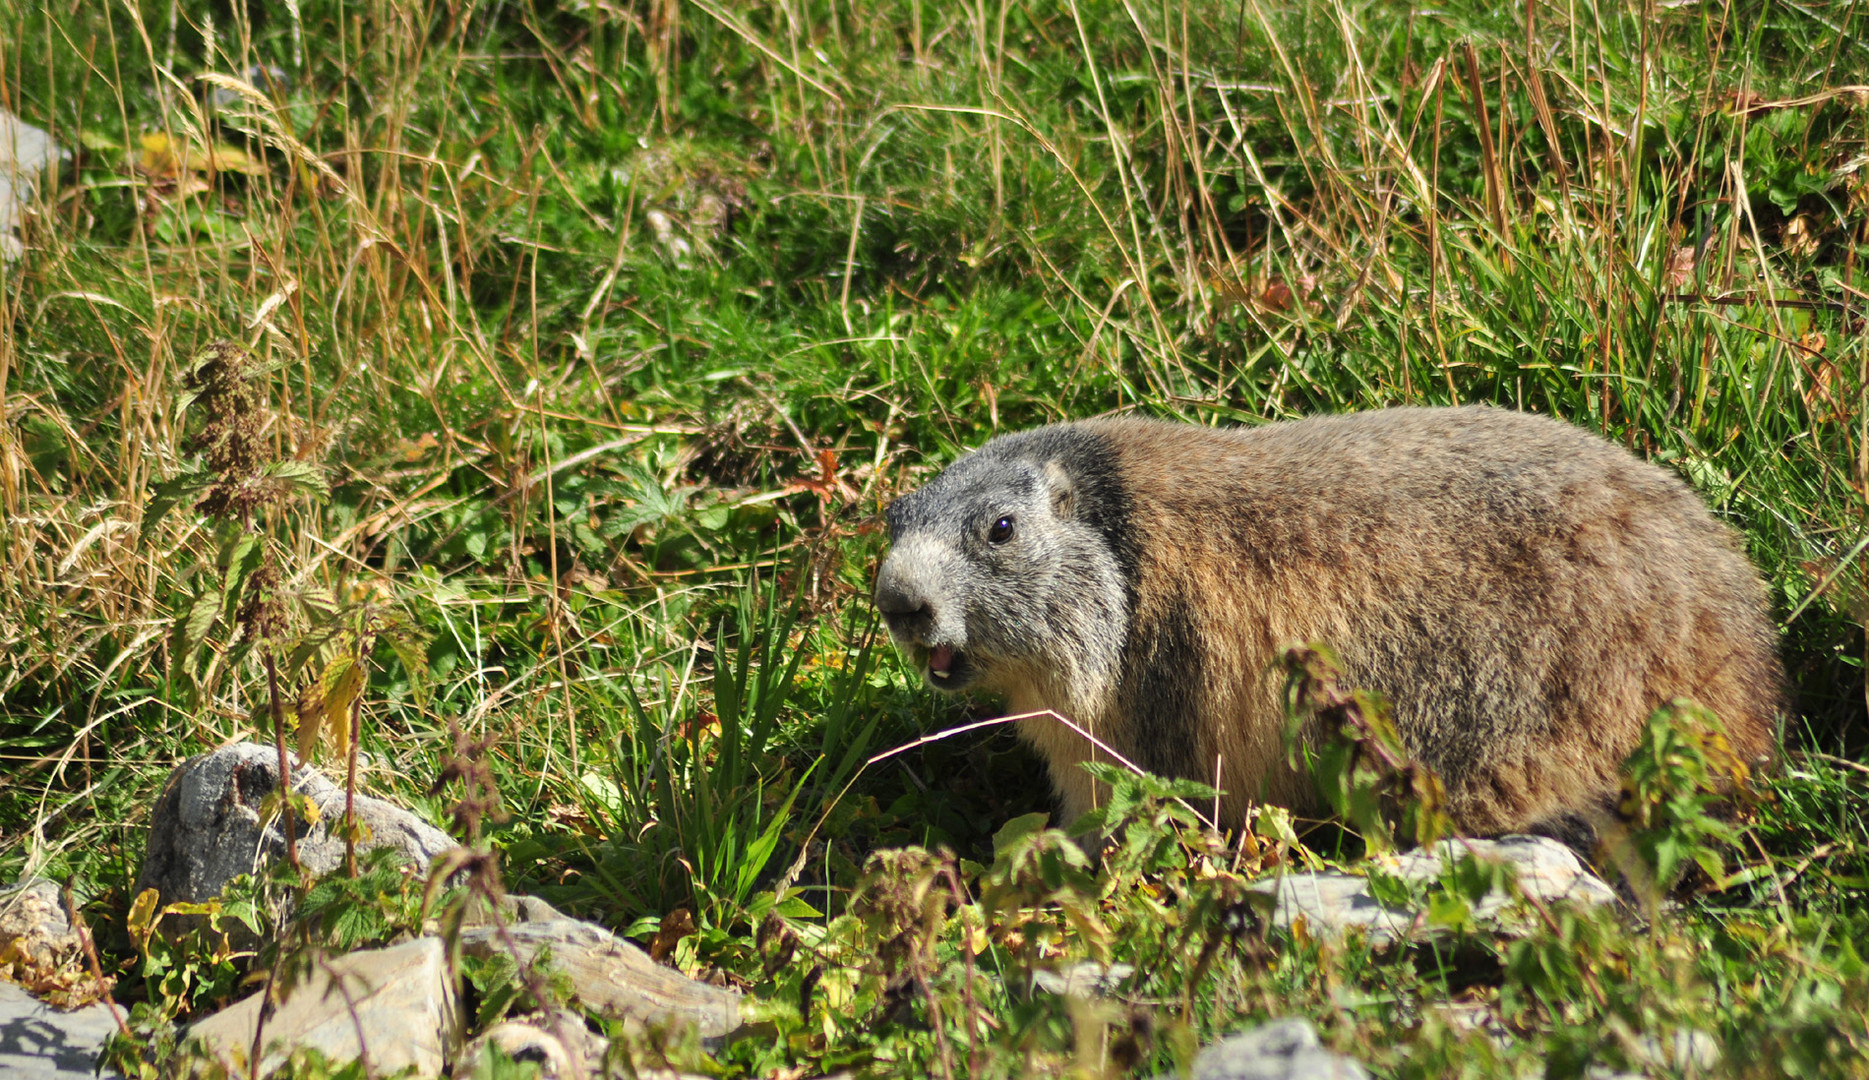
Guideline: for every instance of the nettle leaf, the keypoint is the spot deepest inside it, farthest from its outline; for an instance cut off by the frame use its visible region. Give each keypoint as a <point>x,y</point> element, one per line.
<point>1390,890</point>
<point>1450,911</point>
<point>324,706</point>
<point>239,559</point>
<point>299,478</point>
<point>236,550</point>
<point>586,539</point>
<point>244,910</point>
<point>1017,833</point>
<point>321,644</point>
<point>795,907</point>
<point>647,501</point>
<point>497,980</point>
<point>1475,879</point>
<point>202,615</point>
<point>168,494</point>
<point>412,651</point>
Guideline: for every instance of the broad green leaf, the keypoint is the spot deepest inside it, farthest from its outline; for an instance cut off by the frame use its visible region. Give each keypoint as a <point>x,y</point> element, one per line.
<point>167,495</point>
<point>141,920</point>
<point>300,477</point>
<point>201,617</point>
<point>1018,831</point>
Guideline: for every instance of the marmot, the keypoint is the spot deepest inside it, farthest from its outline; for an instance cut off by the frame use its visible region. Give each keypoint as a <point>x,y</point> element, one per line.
<point>1523,592</point>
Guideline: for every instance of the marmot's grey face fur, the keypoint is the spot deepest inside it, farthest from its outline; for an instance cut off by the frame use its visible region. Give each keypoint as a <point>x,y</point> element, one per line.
<point>1522,591</point>
<point>1027,525</point>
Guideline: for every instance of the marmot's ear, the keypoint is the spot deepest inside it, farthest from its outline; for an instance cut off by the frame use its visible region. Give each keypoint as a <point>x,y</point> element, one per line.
<point>1063,491</point>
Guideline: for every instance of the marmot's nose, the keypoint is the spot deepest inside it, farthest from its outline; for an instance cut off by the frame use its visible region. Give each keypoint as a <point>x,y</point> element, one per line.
<point>903,604</point>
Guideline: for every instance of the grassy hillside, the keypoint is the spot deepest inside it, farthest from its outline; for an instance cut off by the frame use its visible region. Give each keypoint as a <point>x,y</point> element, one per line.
<point>574,347</point>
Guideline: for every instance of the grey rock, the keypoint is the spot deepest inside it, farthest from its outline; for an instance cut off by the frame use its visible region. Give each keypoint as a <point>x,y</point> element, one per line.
<point>1281,1050</point>
<point>1689,1053</point>
<point>611,976</point>
<point>393,1007</point>
<point>1469,1016</point>
<point>1084,980</point>
<point>38,1042</point>
<point>33,922</point>
<point>25,151</point>
<point>1330,903</point>
<point>514,908</point>
<point>206,827</point>
<point>559,1043</point>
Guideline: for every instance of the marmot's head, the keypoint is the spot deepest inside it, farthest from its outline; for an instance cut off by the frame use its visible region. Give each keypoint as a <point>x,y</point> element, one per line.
<point>1015,565</point>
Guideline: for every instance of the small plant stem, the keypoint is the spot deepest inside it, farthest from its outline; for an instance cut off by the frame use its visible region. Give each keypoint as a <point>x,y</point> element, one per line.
<point>1434,245</point>
<point>286,818</point>
<point>1489,157</point>
<point>83,931</point>
<point>934,1019</point>
<point>555,598</point>
<point>350,784</point>
<point>968,1004</point>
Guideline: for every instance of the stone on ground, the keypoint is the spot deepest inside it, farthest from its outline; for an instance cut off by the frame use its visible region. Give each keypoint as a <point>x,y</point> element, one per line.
<point>206,826</point>
<point>25,151</point>
<point>613,977</point>
<point>1085,980</point>
<point>41,951</point>
<point>393,1007</point>
<point>1331,903</point>
<point>33,926</point>
<point>1281,1050</point>
<point>558,1042</point>
<point>39,1042</point>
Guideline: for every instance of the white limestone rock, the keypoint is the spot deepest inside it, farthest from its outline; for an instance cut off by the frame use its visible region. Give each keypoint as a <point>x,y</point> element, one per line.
<point>613,977</point>
<point>38,1042</point>
<point>25,151</point>
<point>1331,903</point>
<point>1285,1049</point>
<point>393,1008</point>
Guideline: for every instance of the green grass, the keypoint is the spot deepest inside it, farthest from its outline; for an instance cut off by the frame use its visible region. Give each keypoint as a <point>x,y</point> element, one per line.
<point>610,329</point>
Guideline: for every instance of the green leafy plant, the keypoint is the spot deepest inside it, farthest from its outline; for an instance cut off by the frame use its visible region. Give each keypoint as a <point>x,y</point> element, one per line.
<point>1344,737</point>
<point>716,787</point>
<point>197,963</point>
<point>1678,786</point>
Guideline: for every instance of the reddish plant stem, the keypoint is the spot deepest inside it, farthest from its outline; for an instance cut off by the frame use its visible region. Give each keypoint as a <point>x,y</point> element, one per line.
<point>286,818</point>
<point>350,785</point>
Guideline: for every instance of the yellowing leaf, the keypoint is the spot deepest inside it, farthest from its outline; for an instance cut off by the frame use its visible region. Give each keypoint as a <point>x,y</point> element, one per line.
<point>141,921</point>
<point>311,717</point>
<point>306,808</point>
<point>325,706</point>
<point>164,157</point>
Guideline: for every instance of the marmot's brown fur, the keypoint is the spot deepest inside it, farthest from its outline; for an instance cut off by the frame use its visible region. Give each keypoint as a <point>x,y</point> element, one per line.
<point>1522,591</point>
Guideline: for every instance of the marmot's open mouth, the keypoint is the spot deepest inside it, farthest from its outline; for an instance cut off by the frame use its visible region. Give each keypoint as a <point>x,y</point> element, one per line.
<point>947,667</point>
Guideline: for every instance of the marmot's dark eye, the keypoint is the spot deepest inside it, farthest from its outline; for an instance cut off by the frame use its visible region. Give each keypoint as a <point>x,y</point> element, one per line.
<point>1000,532</point>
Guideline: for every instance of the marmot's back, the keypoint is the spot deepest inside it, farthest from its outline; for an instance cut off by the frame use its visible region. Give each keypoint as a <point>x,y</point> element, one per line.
<point>1524,592</point>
